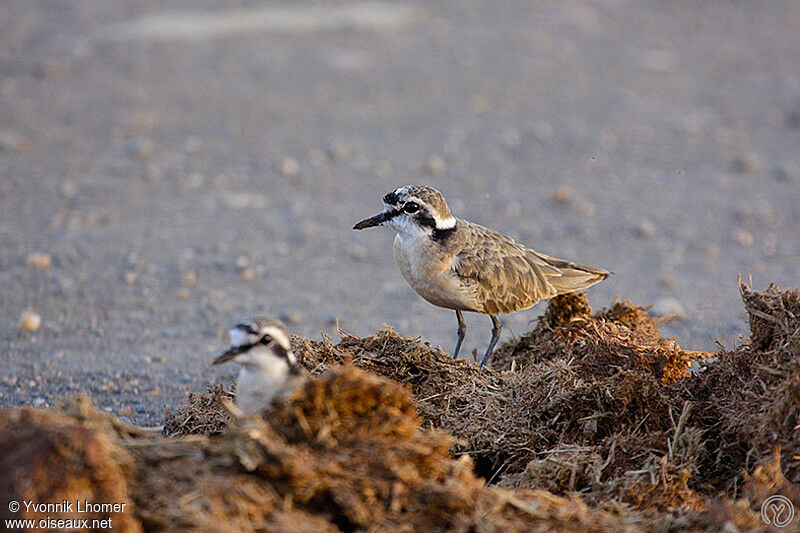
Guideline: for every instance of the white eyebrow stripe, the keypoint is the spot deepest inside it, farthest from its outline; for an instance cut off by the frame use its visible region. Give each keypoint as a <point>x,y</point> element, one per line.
<point>444,223</point>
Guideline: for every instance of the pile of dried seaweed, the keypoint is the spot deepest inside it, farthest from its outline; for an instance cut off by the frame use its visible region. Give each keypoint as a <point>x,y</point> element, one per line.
<point>202,414</point>
<point>585,403</point>
<point>73,455</point>
<point>749,399</point>
<point>345,452</point>
<point>602,405</point>
<point>590,421</point>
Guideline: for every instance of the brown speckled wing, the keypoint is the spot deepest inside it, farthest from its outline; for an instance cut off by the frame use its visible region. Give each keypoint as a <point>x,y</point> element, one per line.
<point>503,274</point>
<point>508,277</point>
<point>570,276</point>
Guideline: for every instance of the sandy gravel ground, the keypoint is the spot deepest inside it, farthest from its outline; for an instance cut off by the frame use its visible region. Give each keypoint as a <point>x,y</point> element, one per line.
<point>186,163</point>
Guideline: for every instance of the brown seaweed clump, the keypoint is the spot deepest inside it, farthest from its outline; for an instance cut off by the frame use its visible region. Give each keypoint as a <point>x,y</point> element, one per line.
<point>601,404</point>
<point>621,338</point>
<point>345,452</point>
<point>596,404</point>
<point>749,398</point>
<point>51,457</point>
<point>202,414</point>
<point>588,399</point>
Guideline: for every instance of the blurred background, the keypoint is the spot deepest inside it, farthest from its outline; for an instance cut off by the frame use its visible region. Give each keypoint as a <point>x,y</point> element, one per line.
<point>170,167</point>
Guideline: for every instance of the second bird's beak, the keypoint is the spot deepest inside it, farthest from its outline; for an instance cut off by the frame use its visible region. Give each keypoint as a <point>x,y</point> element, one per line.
<point>227,356</point>
<point>377,220</point>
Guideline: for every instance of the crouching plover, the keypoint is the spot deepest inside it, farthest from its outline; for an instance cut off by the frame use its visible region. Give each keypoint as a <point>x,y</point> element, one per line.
<point>459,265</point>
<point>269,369</point>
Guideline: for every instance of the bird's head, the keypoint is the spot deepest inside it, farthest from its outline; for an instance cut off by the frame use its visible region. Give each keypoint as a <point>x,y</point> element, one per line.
<point>259,343</point>
<point>413,210</point>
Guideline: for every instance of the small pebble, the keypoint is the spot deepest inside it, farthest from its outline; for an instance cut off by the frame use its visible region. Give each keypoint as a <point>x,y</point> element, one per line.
<point>562,194</point>
<point>248,274</point>
<point>69,189</point>
<point>30,321</point>
<point>290,166</point>
<point>131,277</point>
<point>38,402</point>
<point>183,293</point>
<point>745,238</point>
<point>126,411</point>
<point>242,261</point>
<point>435,165</point>
<point>667,306</point>
<point>358,251</point>
<point>646,228</point>
<point>39,260</point>
<point>189,278</point>
<point>746,163</point>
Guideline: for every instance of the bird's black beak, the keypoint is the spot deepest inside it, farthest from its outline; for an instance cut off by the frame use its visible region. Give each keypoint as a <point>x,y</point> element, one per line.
<point>227,356</point>
<point>377,220</point>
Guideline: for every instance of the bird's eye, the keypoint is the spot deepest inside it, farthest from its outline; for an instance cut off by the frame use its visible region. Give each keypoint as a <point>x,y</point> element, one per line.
<point>411,207</point>
<point>266,339</point>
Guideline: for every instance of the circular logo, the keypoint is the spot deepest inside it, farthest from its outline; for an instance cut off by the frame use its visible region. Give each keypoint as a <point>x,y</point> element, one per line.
<point>13,506</point>
<point>777,511</point>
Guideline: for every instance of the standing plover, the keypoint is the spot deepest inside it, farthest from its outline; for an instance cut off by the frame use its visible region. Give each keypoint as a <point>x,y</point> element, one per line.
<point>269,369</point>
<point>459,265</point>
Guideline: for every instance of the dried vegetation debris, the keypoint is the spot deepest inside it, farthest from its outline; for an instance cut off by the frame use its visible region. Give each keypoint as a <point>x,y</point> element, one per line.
<point>589,398</point>
<point>601,404</point>
<point>622,337</point>
<point>344,452</point>
<point>749,398</point>
<point>596,405</point>
<point>202,414</point>
<point>51,457</point>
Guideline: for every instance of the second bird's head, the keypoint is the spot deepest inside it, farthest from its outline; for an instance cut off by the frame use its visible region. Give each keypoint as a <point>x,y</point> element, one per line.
<point>259,343</point>
<point>413,210</point>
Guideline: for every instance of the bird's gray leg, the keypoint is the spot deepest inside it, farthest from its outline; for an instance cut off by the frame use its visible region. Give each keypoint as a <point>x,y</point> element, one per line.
<point>462,330</point>
<point>496,328</point>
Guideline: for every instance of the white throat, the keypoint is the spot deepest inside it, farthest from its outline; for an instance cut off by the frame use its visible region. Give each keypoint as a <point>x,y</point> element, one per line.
<point>259,383</point>
<point>407,229</point>
<point>262,360</point>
